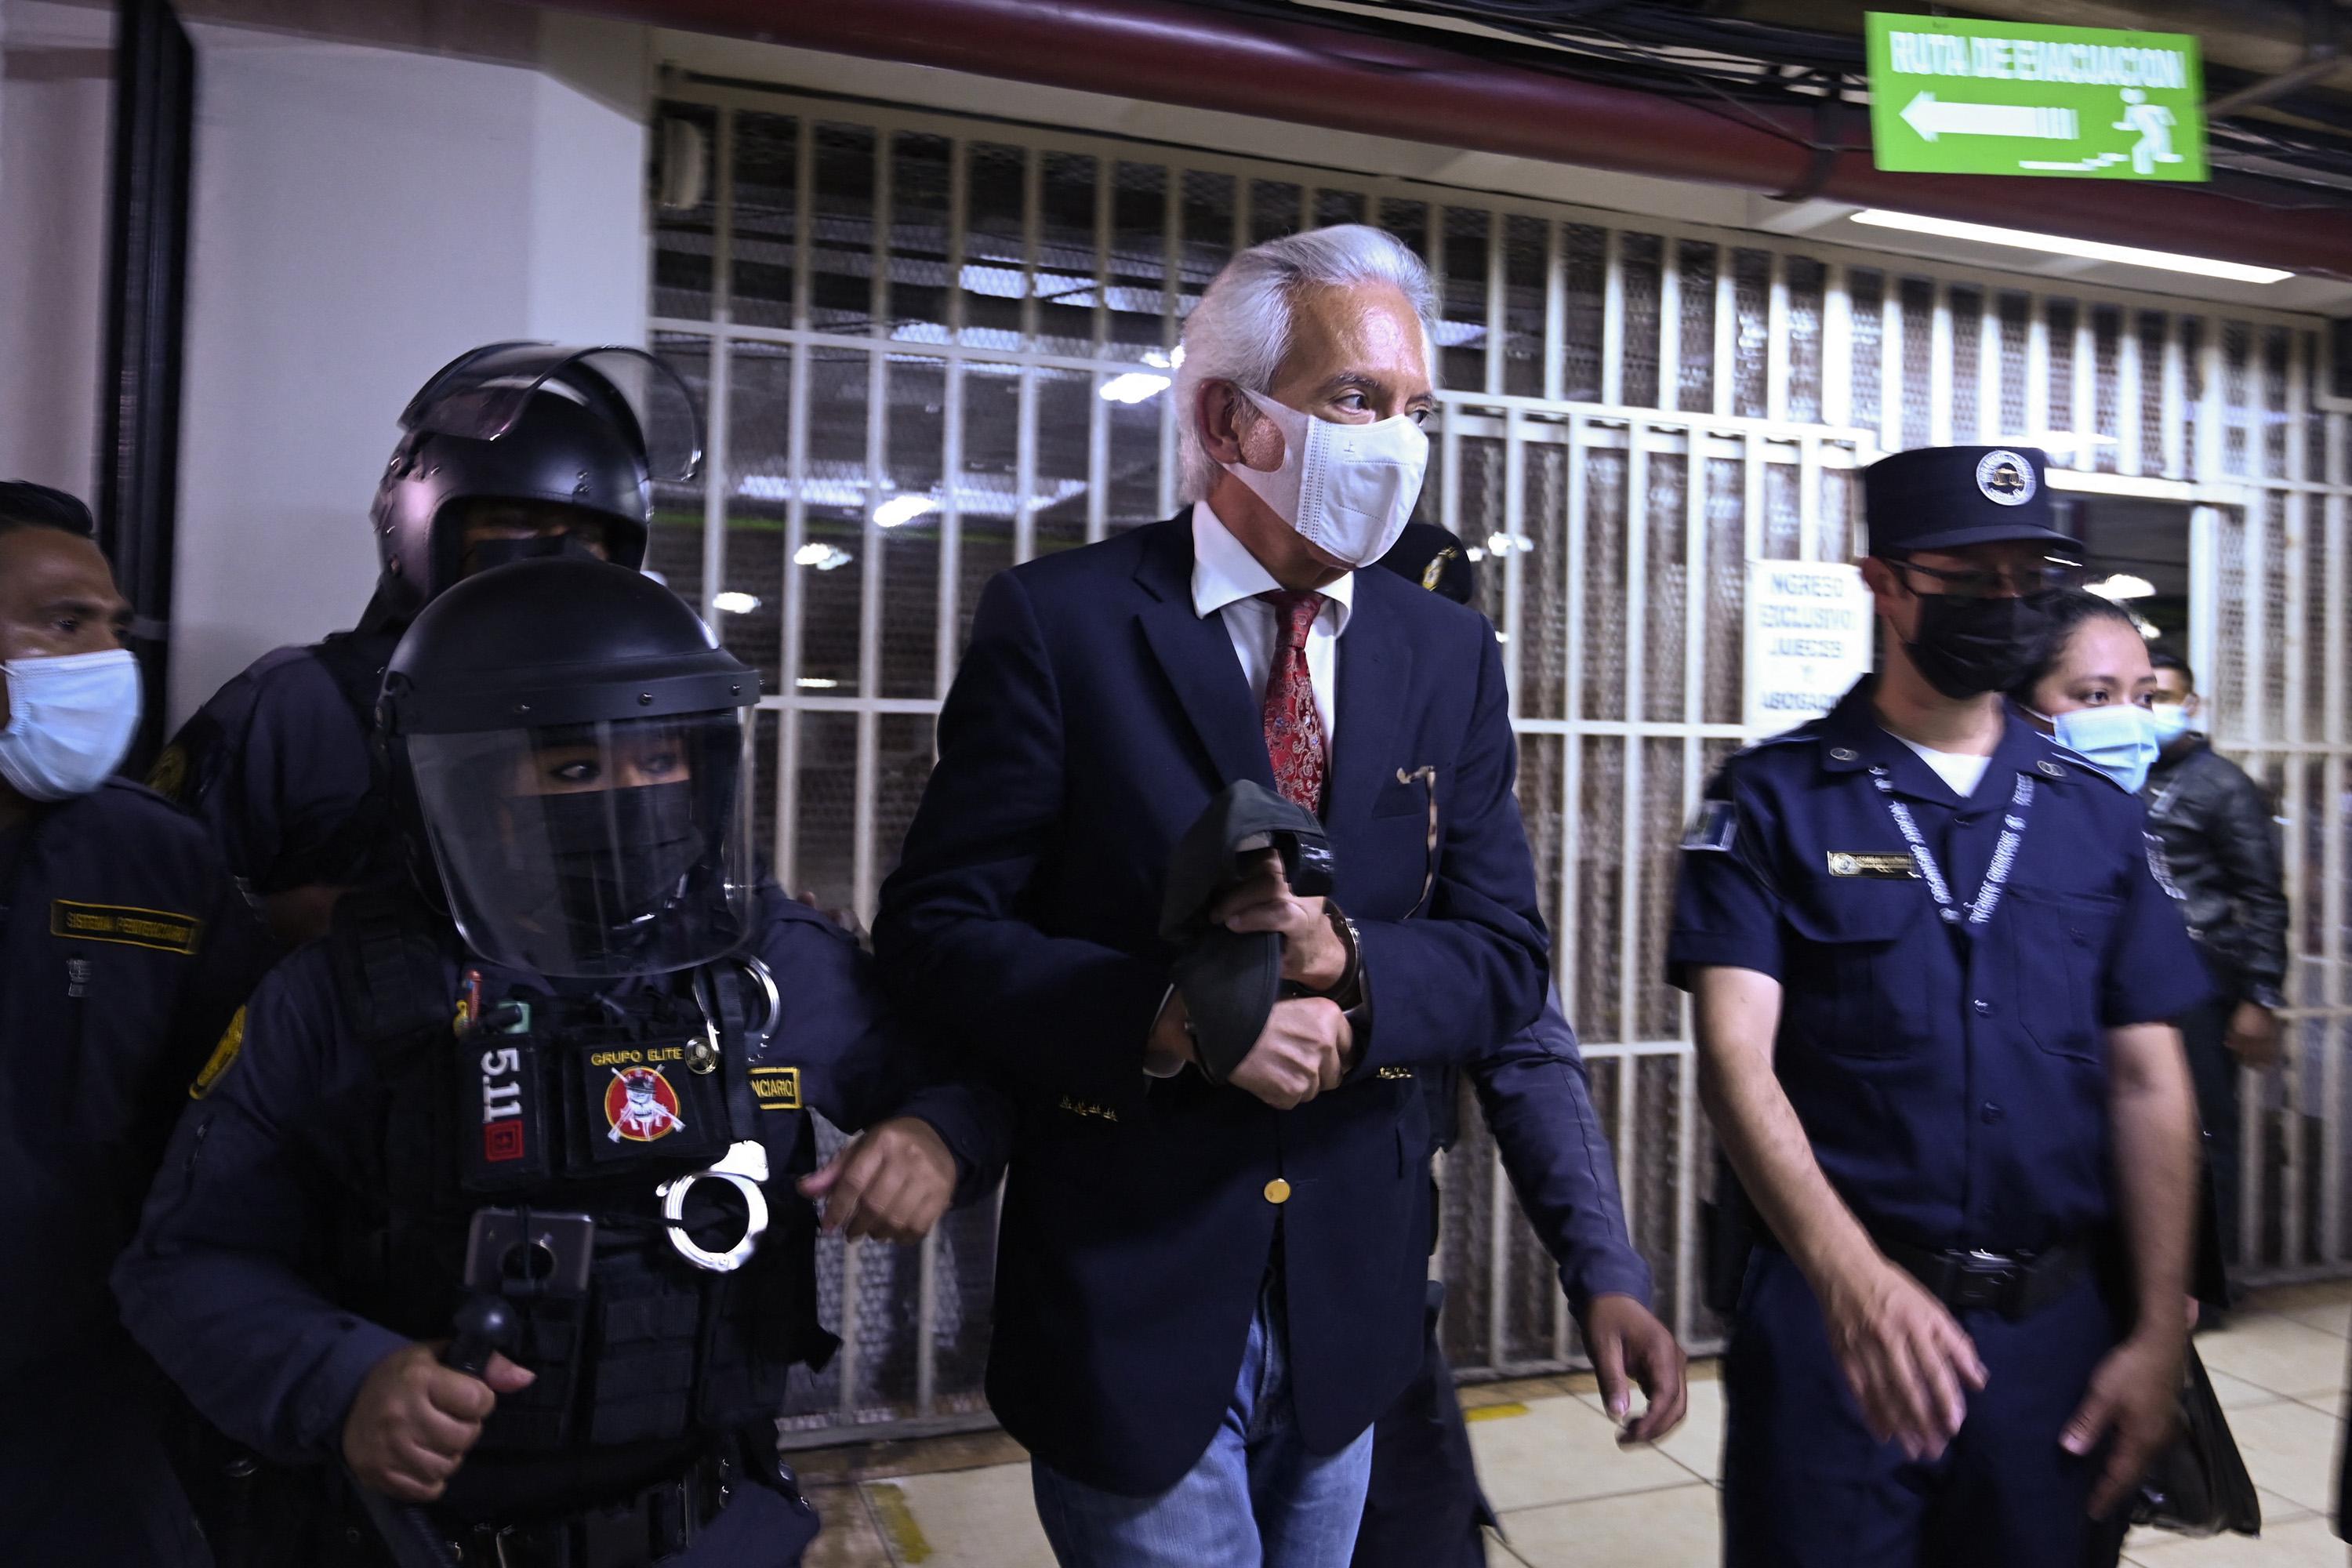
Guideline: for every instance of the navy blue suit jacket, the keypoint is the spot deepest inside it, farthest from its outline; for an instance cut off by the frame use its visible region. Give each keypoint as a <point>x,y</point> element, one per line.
<point>1094,717</point>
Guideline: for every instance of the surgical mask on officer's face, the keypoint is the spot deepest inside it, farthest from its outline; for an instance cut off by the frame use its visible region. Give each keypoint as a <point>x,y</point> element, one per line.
<point>2118,738</point>
<point>70,719</point>
<point>1966,647</point>
<point>2169,720</point>
<point>1347,489</point>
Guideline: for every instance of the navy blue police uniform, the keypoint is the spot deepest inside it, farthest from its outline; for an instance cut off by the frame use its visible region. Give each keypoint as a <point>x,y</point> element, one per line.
<point>581,1089</point>
<point>124,953</point>
<point>1425,1508</point>
<point>278,766</point>
<point>1942,1041</point>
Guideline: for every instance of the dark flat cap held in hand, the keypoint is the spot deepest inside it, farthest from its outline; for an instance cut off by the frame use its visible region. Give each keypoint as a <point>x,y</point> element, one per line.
<point>1231,980</point>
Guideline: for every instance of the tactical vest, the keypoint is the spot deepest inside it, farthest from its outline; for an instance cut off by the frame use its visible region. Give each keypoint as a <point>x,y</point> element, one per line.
<point>538,1107</point>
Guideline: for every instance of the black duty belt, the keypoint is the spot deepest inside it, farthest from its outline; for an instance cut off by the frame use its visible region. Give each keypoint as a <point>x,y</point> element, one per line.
<point>656,1523</point>
<point>2015,1284</point>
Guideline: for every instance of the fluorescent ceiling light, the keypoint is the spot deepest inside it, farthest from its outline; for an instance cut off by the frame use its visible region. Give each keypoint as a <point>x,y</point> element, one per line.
<point>2059,245</point>
<point>902,510</point>
<point>824,557</point>
<point>1134,386</point>
<point>734,604</point>
<point>816,683</point>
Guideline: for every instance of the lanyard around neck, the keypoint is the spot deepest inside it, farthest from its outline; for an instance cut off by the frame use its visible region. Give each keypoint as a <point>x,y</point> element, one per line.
<point>1979,910</point>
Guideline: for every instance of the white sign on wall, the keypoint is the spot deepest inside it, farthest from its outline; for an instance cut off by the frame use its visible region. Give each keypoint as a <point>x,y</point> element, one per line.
<point>1809,639</point>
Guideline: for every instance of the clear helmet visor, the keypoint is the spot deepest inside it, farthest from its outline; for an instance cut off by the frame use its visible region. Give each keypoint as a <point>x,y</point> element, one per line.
<point>481,396</point>
<point>592,851</point>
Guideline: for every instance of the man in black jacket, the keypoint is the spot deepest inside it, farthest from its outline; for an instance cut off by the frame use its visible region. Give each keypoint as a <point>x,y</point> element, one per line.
<point>2221,844</point>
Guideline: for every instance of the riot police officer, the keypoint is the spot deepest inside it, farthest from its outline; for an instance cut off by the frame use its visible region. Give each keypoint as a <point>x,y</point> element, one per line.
<point>124,951</point>
<point>1931,963</point>
<point>580,1091</point>
<point>510,450</point>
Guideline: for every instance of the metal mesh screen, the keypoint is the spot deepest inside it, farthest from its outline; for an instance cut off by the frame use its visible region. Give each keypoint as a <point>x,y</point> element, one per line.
<point>1694,377</point>
<point>1808,290</point>
<point>1966,309</point>
<point>1867,292</point>
<point>1751,273</point>
<point>1640,260</point>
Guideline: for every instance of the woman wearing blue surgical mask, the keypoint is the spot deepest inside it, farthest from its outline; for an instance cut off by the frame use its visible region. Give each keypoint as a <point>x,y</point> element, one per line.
<point>2091,687</point>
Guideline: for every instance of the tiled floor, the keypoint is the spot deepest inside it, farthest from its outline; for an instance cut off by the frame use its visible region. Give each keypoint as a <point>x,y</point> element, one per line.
<point>1572,1498</point>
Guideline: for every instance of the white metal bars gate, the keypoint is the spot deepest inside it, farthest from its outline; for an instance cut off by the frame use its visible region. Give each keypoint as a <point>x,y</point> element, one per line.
<point>932,346</point>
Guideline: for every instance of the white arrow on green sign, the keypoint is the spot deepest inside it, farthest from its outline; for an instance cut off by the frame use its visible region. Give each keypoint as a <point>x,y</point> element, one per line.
<point>1932,119</point>
<point>1960,97</point>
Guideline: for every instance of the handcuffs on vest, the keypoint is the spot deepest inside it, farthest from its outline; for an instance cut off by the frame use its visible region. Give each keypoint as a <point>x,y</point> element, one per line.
<point>744,1166</point>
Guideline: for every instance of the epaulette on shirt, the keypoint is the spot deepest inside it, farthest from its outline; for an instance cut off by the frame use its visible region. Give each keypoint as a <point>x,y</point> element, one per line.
<point>2083,764</point>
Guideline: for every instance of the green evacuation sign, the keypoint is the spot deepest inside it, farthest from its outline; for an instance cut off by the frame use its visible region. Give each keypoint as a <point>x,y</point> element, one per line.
<point>1954,97</point>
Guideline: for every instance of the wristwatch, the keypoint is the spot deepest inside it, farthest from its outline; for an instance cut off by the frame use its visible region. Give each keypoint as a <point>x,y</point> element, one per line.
<point>1349,988</point>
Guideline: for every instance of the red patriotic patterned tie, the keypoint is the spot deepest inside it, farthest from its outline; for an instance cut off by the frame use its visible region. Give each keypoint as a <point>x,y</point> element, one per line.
<point>1294,730</point>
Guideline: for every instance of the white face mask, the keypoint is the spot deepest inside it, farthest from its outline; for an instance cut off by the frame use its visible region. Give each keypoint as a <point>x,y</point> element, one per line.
<point>1348,489</point>
<point>70,720</point>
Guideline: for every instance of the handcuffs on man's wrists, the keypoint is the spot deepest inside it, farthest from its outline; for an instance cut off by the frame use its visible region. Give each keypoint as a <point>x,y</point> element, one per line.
<point>1347,990</point>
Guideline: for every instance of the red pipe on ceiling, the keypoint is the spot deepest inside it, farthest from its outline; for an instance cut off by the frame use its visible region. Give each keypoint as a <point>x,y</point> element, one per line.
<point>1297,70</point>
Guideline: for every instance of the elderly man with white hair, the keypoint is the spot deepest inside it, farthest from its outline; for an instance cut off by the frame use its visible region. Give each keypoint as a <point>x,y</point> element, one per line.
<point>1209,1282</point>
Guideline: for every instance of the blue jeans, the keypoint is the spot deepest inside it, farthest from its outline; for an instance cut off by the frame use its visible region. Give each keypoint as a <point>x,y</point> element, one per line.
<point>1254,1498</point>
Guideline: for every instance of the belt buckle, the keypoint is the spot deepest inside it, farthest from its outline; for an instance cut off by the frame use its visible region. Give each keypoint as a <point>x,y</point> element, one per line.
<point>1981,1279</point>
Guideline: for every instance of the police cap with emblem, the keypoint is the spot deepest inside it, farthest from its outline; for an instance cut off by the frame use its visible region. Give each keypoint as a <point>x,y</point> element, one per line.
<point>1948,498</point>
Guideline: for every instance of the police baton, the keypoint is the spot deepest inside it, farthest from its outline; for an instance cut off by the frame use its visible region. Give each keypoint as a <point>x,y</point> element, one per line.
<point>483,1324</point>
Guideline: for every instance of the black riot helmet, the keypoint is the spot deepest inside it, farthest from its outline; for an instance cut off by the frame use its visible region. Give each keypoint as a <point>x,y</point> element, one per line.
<point>538,424</point>
<point>567,747</point>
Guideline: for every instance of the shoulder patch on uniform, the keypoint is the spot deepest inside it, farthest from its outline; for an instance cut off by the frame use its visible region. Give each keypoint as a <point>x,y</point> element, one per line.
<point>125,924</point>
<point>224,1055</point>
<point>2081,764</point>
<point>1714,828</point>
<point>776,1089</point>
<point>169,776</point>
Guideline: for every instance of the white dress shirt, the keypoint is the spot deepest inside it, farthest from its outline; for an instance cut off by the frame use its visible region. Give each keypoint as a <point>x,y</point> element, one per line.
<point>1227,579</point>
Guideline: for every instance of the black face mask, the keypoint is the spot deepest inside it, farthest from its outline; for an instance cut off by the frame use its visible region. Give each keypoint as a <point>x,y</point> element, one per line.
<point>1967,648</point>
<point>620,856</point>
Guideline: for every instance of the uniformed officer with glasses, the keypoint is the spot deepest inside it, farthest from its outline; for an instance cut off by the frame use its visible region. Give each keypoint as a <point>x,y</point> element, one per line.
<point>1931,967</point>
